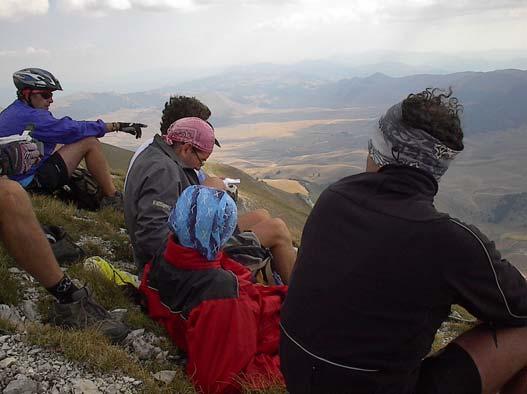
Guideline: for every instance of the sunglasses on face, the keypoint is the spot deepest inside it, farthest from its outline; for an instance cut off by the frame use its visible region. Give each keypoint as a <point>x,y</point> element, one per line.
<point>45,94</point>
<point>201,161</point>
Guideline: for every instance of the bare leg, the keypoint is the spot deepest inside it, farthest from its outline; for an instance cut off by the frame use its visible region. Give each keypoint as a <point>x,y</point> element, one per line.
<point>503,367</point>
<point>274,234</point>
<point>90,150</point>
<point>248,220</point>
<point>518,384</point>
<point>23,237</point>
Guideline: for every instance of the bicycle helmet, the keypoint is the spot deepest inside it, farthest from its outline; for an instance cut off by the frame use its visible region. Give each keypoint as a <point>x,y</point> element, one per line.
<point>35,78</point>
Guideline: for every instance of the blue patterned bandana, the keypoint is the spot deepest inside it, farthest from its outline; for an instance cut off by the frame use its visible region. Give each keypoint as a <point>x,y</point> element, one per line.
<point>395,143</point>
<point>203,219</point>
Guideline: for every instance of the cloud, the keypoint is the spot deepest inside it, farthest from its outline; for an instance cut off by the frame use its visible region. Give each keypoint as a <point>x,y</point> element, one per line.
<point>310,19</point>
<point>19,8</point>
<point>29,51</point>
<point>417,10</point>
<point>7,53</point>
<point>101,7</point>
<point>316,14</point>
<point>36,51</point>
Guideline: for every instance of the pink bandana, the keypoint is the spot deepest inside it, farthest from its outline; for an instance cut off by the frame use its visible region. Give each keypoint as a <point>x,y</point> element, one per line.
<point>192,130</point>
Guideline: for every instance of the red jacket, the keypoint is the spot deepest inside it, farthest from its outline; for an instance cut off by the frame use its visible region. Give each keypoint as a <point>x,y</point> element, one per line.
<point>227,325</point>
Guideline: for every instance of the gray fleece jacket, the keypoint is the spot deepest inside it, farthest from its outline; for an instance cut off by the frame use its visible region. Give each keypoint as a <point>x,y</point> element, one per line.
<point>153,185</point>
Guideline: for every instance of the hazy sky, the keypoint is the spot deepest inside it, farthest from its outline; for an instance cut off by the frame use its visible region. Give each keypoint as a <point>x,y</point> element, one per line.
<point>104,43</point>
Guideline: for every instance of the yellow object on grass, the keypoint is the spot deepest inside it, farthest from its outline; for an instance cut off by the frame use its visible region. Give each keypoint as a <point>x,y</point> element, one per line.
<point>117,276</point>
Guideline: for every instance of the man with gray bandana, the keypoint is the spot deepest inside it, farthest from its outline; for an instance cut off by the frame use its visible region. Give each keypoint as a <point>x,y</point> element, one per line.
<point>379,268</point>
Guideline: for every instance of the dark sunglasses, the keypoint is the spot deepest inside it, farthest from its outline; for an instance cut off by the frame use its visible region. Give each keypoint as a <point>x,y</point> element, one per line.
<point>201,161</point>
<point>45,94</point>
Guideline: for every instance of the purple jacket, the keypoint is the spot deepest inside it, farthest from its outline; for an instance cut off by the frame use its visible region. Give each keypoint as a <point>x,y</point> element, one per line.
<point>46,128</point>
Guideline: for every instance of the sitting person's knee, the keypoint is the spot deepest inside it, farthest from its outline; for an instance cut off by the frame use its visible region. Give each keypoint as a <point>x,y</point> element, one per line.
<point>261,214</point>
<point>86,143</point>
<point>280,229</point>
<point>10,191</point>
<point>91,141</point>
<point>12,197</point>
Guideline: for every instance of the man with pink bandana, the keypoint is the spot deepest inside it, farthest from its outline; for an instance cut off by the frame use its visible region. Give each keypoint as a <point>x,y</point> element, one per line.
<point>159,175</point>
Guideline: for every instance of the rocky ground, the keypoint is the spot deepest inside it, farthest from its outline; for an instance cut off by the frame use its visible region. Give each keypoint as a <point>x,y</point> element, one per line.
<point>29,368</point>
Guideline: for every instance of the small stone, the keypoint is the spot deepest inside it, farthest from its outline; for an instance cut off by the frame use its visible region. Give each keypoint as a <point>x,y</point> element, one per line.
<point>142,349</point>
<point>22,385</point>
<point>165,376</point>
<point>14,270</point>
<point>162,356</point>
<point>112,389</point>
<point>7,362</point>
<point>10,314</point>
<point>29,308</point>
<point>134,334</point>
<point>84,386</point>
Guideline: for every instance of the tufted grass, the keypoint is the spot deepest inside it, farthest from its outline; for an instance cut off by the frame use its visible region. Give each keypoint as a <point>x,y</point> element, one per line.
<point>10,289</point>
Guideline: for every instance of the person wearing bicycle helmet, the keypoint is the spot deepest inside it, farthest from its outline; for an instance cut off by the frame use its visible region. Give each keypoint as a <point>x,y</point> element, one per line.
<point>30,111</point>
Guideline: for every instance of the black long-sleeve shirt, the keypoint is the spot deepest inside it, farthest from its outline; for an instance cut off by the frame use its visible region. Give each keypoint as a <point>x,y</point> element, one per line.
<point>379,268</point>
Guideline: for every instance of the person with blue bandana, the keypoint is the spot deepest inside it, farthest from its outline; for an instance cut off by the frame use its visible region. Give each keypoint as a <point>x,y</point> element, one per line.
<point>208,303</point>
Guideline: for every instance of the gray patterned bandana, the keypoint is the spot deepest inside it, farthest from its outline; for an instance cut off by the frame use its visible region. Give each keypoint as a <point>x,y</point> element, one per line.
<point>395,143</point>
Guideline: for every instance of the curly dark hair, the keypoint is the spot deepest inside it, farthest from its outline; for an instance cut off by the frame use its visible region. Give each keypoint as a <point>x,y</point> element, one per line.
<point>436,112</point>
<point>178,107</point>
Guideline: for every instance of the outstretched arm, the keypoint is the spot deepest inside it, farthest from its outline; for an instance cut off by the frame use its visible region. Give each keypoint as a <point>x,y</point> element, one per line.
<point>131,128</point>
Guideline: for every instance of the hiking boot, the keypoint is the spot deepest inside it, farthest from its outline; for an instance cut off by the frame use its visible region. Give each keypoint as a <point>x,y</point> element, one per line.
<point>84,312</point>
<point>115,201</point>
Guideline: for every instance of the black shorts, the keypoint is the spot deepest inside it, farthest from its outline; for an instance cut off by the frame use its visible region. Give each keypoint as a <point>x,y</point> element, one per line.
<point>450,371</point>
<point>50,176</point>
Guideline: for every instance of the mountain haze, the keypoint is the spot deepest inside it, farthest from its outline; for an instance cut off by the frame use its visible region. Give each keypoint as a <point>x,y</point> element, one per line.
<point>493,100</point>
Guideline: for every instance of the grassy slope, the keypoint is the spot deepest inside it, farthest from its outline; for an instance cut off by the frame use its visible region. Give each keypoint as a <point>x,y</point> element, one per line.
<point>118,158</point>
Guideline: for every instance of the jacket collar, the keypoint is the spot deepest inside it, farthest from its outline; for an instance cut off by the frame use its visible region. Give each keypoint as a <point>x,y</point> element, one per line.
<point>395,190</point>
<point>410,179</point>
<point>167,149</point>
<point>188,259</point>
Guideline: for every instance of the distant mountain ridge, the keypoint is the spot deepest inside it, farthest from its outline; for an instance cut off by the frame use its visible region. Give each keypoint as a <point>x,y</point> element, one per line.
<point>493,100</point>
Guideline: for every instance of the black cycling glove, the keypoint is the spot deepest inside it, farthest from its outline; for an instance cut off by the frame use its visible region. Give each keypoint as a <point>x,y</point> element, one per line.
<point>131,128</point>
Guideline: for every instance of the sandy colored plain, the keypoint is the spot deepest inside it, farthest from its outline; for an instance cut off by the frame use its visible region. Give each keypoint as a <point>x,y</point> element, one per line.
<point>272,129</point>
<point>287,185</point>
